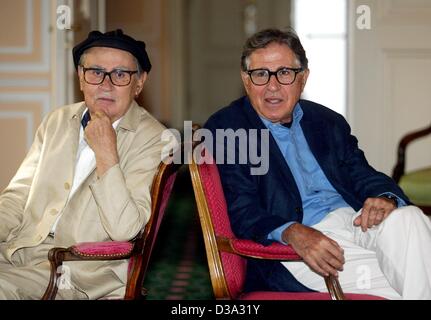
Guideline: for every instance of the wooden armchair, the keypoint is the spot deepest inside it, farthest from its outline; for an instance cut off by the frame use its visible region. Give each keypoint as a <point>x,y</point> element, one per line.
<point>137,251</point>
<point>416,184</point>
<point>227,255</point>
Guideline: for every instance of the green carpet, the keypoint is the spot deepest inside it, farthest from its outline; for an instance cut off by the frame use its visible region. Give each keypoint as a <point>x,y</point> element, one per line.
<point>178,267</point>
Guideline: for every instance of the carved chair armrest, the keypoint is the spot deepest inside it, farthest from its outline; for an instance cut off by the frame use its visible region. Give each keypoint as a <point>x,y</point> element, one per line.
<point>110,250</point>
<point>86,251</point>
<point>275,251</point>
<point>399,168</point>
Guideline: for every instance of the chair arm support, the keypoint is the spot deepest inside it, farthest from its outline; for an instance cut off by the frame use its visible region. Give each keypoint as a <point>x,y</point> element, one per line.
<point>252,249</point>
<point>399,168</point>
<point>86,251</point>
<point>275,251</point>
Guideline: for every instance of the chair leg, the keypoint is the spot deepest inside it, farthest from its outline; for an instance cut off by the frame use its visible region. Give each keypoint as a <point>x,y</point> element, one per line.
<point>334,288</point>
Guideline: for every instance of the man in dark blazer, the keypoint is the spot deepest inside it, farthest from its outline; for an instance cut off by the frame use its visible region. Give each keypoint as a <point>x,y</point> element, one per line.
<point>318,192</point>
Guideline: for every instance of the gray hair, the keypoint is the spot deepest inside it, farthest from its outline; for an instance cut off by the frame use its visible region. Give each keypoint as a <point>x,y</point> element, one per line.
<point>265,37</point>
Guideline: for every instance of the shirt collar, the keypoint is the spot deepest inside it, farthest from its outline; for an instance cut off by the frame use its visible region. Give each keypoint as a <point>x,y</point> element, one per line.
<point>114,124</point>
<point>297,116</point>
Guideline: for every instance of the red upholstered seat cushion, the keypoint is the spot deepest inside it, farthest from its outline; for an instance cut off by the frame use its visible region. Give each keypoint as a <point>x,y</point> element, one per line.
<point>103,249</point>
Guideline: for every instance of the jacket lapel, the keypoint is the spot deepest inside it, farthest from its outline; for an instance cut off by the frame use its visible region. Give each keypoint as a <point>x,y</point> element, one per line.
<point>73,137</point>
<point>127,127</point>
<point>316,133</point>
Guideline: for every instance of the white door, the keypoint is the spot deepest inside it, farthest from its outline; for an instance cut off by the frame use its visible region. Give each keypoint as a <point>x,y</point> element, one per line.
<point>390,85</point>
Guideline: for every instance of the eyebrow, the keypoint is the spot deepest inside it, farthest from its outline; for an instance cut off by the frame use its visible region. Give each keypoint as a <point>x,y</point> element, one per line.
<point>279,68</point>
<point>122,68</point>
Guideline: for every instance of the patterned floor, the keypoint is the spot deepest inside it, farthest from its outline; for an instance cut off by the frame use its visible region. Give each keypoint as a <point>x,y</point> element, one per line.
<point>178,268</point>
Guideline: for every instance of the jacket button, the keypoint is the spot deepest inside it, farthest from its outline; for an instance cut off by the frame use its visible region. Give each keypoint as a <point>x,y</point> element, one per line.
<point>66,186</point>
<point>53,212</point>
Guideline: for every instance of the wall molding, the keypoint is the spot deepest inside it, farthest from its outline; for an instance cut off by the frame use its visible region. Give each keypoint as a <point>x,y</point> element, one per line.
<point>42,65</point>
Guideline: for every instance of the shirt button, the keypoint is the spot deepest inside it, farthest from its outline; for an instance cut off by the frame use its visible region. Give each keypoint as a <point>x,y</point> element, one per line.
<point>66,186</point>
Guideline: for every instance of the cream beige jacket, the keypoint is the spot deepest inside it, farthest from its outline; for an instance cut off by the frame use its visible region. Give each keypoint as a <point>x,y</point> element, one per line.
<point>113,207</point>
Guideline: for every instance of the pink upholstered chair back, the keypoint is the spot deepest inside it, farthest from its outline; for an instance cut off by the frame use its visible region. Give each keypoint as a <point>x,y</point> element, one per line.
<point>233,266</point>
<point>160,193</point>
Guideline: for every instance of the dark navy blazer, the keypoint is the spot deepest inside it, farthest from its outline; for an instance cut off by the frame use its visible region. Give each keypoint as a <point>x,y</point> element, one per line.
<point>258,204</point>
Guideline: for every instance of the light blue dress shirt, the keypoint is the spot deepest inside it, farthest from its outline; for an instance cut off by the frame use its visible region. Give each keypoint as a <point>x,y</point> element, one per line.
<point>318,196</point>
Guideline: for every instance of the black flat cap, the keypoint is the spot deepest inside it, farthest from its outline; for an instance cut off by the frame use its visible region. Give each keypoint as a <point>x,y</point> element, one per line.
<point>113,39</point>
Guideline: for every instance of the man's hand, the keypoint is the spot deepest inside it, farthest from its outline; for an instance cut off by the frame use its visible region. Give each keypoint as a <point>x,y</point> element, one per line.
<point>102,139</point>
<point>374,211</point>
<point>322,254</point>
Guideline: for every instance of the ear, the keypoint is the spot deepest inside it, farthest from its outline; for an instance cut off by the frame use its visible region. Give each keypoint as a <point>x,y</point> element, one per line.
<point>304,78</point>
<point>246,81</point>
<point>81,77</point>
<point>140,83</point>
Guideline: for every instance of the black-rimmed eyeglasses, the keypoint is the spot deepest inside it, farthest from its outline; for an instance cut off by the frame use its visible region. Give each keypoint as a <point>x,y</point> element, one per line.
<point>118,77</point>
<point>285,76</point>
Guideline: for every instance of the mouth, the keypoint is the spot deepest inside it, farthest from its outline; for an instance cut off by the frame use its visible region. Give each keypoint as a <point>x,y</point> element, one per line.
<point>105,100</point>
<point>273,101</point>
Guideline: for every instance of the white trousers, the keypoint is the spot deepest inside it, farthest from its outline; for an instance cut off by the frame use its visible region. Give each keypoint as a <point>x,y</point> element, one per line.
<point>391,260</point>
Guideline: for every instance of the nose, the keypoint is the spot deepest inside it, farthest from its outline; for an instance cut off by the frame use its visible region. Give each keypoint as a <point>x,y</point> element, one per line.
<point>273,84</point>
<point>106,83</point>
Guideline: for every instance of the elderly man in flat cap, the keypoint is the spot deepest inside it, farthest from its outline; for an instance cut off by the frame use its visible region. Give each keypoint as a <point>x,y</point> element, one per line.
<point>87,176</point>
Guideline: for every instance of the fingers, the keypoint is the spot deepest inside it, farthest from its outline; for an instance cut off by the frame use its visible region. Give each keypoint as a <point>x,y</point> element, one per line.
<point>98,118</point>
<point>380,216</point>
<point>374,211</point>
<point>369,221</point>
<point>337,253</point>
<point>320,252</point>
<point>100,115</point>
<point>334,258</point>
<point>329,260</point>
<point>326,264</point>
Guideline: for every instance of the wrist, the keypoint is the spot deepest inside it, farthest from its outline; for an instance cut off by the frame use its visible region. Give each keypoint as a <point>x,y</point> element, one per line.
<point>287,233</point>
<point>391,198</point>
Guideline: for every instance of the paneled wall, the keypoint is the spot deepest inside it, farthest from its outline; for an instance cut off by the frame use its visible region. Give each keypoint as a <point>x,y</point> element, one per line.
<point>149,21</point>
<point>25,78</point>
<point>390,64</point>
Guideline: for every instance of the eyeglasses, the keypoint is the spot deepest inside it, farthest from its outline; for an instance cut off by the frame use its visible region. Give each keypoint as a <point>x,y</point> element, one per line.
<point>118,77</point>
<point>284,75</point>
